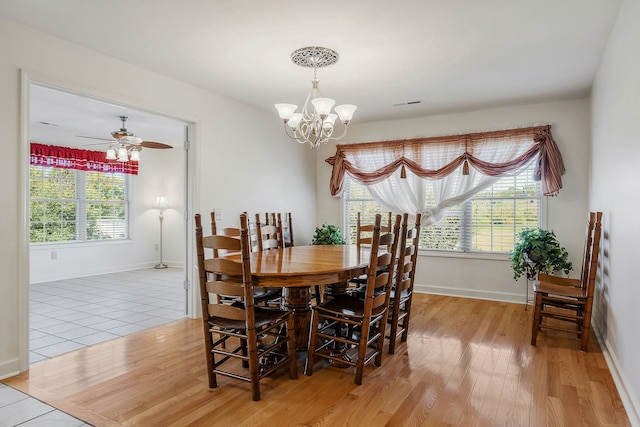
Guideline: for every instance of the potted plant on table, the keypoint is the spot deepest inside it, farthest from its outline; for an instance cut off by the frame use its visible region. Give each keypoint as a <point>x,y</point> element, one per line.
<point>538,251</point>
<point>328,234</point>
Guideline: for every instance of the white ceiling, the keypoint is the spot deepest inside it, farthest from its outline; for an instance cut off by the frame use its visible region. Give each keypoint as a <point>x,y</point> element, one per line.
<point>451,55</point>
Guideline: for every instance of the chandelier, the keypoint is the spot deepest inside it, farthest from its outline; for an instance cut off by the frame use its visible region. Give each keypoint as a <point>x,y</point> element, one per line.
<point>315,126</point>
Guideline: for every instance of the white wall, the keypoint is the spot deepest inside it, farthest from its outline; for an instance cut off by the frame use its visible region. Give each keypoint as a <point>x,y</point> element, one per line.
<point>160,172</point>
<point>227,135</point>
<point>565,214</point>
<point>614,190</point>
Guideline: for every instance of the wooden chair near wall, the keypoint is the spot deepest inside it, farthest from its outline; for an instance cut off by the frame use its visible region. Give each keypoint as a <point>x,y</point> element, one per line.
<point>239,334</point>
<point>402,290</point>
<point>561,299</point>
<point>350,330</point>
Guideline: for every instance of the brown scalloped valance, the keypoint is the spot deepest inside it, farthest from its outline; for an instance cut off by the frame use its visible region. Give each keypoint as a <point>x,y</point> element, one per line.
<point>437,157</point>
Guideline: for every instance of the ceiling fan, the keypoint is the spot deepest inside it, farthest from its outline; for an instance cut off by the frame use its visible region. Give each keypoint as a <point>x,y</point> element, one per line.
<point>125,145</point>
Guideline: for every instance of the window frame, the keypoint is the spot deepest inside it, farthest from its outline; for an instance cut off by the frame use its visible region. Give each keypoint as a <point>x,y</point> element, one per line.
<point>81,200</point>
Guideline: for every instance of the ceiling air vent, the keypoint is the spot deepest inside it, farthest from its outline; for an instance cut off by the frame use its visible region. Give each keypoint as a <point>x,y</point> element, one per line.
<point>407,103</point>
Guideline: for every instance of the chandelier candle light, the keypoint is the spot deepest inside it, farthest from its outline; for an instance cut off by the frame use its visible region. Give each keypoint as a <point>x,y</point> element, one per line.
<point>315,126</point>
<point>161,203</point>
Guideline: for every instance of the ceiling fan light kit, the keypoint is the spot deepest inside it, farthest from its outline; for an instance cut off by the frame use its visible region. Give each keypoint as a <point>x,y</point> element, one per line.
<point>127,146</point>
<point>315,126</point>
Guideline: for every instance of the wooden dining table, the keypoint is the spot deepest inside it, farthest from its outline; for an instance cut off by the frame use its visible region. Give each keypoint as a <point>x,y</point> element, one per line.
<point>297,268</point>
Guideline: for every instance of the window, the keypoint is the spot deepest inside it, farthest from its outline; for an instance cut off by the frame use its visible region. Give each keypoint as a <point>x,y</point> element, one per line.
<point>488,223</point>
<point>68,205</point>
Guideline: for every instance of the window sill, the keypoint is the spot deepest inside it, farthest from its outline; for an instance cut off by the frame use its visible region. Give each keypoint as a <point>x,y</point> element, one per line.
<point>463,255</point>
<point>68,245</point>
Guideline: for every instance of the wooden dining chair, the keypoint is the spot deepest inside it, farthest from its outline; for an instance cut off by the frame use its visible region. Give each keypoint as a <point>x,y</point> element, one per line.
<point>266,235</point>
<point>402,290</point>
<point>287,230</point>
<point>350,330</point>
<point>269,233</point>
<point>364,233</point>
<point>226,231</point>
<point>237,335</point>
<point>561,299</point>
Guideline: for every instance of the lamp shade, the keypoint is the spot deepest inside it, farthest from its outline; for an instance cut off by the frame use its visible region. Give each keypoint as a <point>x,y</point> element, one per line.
<point>161,203</point>
<point>286,110</point>
<point>345,111</point>
<point>323,106</point>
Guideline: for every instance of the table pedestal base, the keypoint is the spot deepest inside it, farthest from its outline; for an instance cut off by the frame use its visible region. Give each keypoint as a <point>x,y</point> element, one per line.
<point>298,301</point>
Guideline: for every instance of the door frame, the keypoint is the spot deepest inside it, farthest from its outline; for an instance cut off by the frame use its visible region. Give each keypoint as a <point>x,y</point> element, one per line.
<point>190,202</point>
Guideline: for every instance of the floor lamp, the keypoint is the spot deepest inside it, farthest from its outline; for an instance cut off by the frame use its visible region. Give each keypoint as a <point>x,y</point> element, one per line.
<point>161,203</point>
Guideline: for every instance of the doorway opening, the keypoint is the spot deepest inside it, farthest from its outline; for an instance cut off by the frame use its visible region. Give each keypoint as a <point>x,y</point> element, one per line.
<point>92,256</point>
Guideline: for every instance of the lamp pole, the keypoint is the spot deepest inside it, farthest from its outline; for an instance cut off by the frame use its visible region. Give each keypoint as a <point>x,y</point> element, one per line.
<point>161,203</point>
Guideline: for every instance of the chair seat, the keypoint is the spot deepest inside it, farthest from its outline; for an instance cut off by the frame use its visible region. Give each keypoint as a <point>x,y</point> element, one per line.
<point>348,306</point>
<point>562,290</point>
<point>264,317</point>
<point>403,295</point>
<point>266,294</point>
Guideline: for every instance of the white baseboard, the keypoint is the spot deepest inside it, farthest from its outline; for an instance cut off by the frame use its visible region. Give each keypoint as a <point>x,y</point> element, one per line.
<point>9,368</point>
<point>93,272</point>
<point>471,293</point>
<point>630,402</point>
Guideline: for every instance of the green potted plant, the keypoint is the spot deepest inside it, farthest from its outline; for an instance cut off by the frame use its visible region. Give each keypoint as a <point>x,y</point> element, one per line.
<point>538,251</point>
<point>328,234</point>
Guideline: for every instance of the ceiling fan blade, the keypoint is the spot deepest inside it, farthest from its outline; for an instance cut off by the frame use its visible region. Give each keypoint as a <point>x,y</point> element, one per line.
<point>153,144</point>
<point>93,137</point>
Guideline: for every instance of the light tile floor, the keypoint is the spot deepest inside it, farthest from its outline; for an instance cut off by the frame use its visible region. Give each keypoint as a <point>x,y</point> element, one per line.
<point>69,314</point>
<point>19,409</point>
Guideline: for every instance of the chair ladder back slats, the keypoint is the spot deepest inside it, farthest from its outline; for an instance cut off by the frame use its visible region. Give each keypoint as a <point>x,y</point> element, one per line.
<point>223,266</point>
<point>400,307</point>
<point>586,260</point>
<point>594,254</point>
<point>226,311</point>
<point>222,287</point>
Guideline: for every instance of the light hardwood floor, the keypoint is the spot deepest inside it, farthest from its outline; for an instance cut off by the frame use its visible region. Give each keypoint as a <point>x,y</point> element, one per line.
<point>467,363</point>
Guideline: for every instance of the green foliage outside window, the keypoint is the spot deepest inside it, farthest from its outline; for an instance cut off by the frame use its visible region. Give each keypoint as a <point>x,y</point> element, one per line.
<point>53,206</point>
<point>68,205</point>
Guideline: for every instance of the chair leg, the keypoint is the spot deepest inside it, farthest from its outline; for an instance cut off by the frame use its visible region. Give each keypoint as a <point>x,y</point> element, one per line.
<point>308,365</point>
<point>362,352</point>
<point>393,333</point>
<point>318,291</point>
<point>380,342</point>
<point>407,318</point>
<point>243,344</point>
<point>208,346</point>
<point>535,324</point>
<point>586,330</point>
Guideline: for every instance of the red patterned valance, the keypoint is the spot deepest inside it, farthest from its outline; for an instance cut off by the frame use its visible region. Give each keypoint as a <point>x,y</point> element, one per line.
<point>76,158</point>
